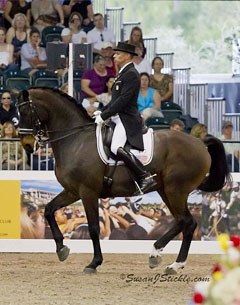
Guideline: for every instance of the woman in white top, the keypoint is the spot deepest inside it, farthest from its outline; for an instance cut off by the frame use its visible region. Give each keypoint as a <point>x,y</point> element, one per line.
<point>74,33</point>
<point>6,52</point>
<point>141,64</point>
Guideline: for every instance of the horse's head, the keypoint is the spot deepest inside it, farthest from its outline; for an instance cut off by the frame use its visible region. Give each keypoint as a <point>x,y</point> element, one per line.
<point>29,124</point>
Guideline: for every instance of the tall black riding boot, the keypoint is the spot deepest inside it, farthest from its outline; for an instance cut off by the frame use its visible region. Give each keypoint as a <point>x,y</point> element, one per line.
<point>143,178</point>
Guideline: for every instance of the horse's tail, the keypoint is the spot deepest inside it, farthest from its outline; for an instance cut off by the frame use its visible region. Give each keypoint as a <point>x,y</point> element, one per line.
<point>219,172</point>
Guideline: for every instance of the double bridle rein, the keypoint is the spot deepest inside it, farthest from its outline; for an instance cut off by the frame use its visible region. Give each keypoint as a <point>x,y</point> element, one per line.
<point>40,131</point>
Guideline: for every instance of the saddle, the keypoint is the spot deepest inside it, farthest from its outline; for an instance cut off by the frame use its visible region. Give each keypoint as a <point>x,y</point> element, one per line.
<point>107,134</point>
<point>104,136</point>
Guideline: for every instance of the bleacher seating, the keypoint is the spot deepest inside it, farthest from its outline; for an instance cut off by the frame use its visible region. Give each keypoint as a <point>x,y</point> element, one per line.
<point>157,123</point>
<point>51,33</point>
<point>171,111</point>
<point>45,79</point>
<point>16,80</point>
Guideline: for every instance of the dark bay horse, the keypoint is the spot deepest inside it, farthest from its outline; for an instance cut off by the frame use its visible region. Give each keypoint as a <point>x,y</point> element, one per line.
<point>181,163</point>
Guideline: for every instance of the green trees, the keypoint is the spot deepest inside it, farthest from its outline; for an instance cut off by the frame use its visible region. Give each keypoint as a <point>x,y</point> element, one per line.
<point>198,32</point>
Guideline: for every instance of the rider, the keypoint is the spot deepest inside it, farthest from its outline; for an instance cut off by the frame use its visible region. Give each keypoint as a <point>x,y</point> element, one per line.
<point>124,113</point>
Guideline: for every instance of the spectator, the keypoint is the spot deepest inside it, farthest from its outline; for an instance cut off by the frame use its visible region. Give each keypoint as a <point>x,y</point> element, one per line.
<point>6,53</point>
<point>160,81</point>
<point>43,159</point>
<point>100,34</point>
<point>18,34</point>
<point>8,112</point>
<point>136,39</point>
<point>32,222</point>
<point>177,125</point>
<point>83,7</point>
<point>231,149</point>
<point>107,52</point>
<point>12,152</point>
<point>46,13</point>
<point>74,33</point>
<point>14,7</point>
<point>2,9</point>
<point>199,131</point>
<point>64,87</point>
<point>32,55</point>
<point>149,101</point>
<point>94,81</point>
<point>141,64</point>
<point>103,98</point>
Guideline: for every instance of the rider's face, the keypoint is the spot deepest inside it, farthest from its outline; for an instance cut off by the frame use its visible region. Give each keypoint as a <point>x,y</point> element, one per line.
<point>121,58</point>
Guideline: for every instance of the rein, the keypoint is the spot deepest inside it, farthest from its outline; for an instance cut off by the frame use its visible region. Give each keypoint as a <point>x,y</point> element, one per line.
<point>40,131</point>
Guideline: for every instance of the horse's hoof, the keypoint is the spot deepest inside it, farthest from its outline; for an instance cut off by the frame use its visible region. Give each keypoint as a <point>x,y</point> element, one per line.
<point>88,270</point>
<point>154,261</point>
<point>63,253</point>
<point>173,269</point>
<point>170,270</point>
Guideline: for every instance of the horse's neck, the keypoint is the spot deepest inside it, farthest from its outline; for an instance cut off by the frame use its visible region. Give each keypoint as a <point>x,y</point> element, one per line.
<point>66,118</point>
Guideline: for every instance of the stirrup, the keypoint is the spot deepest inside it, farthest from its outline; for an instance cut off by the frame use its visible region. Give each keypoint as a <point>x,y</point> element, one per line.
<point>138,192</point>
<point>150,177</point>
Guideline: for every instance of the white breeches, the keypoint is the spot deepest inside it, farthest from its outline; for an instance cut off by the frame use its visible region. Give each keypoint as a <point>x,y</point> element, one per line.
<point>119,135</point>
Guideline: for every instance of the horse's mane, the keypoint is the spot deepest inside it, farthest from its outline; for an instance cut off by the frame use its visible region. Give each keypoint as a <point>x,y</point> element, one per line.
<point>69,99</point>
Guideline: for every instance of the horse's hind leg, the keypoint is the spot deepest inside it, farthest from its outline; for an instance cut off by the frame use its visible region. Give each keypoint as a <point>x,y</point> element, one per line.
<point>61,200</point>
<point>185,223</point>
<point>189,226</point>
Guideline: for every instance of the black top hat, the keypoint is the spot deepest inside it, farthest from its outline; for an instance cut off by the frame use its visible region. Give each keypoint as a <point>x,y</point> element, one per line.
<point>126,47</point>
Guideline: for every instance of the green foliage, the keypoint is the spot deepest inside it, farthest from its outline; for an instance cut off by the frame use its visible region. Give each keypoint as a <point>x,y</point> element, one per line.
<point>198,32</point>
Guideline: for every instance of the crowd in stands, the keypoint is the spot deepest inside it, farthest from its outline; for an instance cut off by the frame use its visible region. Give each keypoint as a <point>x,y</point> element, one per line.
<point>22,23</point>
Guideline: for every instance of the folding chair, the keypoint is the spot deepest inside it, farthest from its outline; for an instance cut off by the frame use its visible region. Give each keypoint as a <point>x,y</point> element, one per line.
<point>157,123</point>
<point>45,79</point>
<point>16,80</point>
<point>51,33</point>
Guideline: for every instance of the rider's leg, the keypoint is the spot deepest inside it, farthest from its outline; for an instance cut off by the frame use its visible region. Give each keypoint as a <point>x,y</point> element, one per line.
<point>143,178</point>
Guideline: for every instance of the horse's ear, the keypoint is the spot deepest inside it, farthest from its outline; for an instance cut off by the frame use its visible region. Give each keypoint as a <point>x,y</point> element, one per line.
<point>25,95</point>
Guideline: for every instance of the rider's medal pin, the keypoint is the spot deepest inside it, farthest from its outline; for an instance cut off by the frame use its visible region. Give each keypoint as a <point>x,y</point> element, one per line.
<point>117,87</point>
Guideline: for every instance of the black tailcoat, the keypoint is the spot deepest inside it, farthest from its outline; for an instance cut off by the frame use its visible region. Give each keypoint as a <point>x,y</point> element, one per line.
<point>125,92</point>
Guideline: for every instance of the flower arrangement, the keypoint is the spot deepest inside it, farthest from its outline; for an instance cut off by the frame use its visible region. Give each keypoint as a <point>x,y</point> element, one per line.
<point>224,287</point>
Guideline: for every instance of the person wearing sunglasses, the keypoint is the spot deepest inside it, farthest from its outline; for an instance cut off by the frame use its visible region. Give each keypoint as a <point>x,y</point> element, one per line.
<point>100,34</point>
<point>8,112</point>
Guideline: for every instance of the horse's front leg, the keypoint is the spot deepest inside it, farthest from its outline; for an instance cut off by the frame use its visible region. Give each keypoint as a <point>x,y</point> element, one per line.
<point>61,200</point>
<point>90,203</point>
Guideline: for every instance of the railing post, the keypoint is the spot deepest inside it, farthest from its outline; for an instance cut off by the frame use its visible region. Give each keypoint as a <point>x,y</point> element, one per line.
<point>181,88</point>
<point>114,19</point>
<point>167,58</point>
<point>215,109</point>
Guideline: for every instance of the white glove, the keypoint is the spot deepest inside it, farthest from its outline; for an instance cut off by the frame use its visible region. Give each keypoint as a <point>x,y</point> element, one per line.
<point>96,113</point>
<point>98,119</point>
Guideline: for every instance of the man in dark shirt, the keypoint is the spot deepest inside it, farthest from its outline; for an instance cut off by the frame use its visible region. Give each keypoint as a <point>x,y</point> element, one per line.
<point>8,112</point>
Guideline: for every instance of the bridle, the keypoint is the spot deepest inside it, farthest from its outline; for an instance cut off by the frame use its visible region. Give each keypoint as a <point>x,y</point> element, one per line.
<point>40,131</point>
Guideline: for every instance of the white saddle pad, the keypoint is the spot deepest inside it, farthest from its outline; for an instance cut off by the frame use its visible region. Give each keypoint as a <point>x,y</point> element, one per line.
<point>144,156</point>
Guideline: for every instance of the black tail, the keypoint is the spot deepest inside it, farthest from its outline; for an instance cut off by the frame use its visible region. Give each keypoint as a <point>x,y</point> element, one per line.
<point>219,173</point>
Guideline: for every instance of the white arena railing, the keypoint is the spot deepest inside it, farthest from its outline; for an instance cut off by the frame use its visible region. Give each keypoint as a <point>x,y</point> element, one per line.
<point>14,157</point>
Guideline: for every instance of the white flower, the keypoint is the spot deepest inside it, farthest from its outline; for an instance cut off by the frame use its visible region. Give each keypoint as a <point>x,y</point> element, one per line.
<point>226,291</point>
